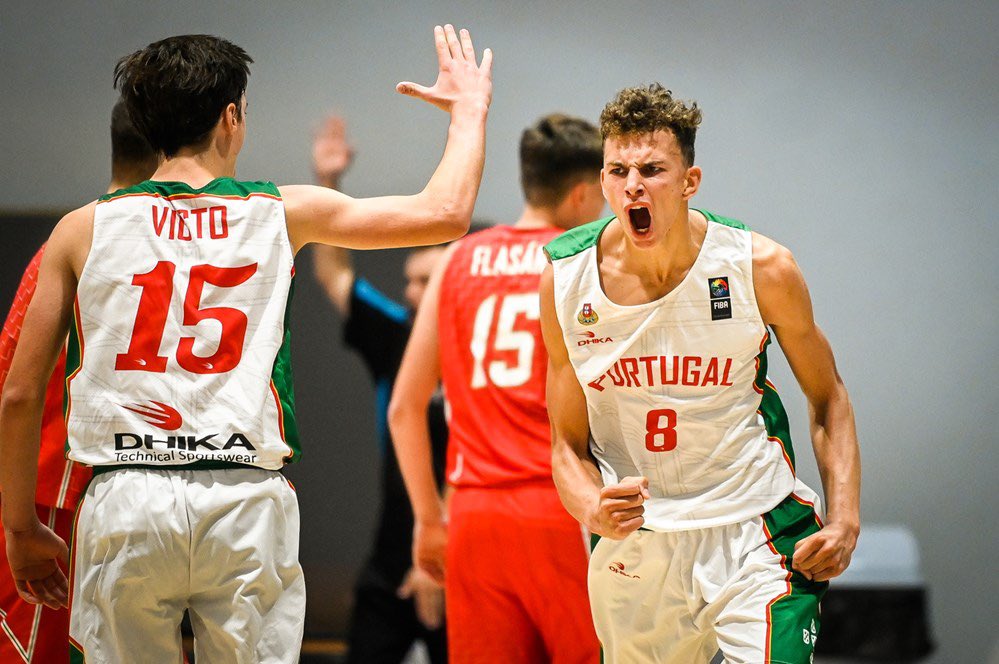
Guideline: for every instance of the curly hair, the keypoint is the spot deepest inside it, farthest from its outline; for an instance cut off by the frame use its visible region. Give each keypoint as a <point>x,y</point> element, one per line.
<point>644,109</point>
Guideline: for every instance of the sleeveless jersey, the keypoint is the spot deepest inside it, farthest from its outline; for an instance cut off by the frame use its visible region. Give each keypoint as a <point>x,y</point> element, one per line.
<point>179,355</point>
<point>60,481</point>
<point>676,389</point>
<point>493,359</point>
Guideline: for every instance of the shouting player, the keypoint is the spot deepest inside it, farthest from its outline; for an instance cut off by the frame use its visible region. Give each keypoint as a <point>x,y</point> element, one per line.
<point>511,548</point>
<point>176,295</point>
<point>669,441</point>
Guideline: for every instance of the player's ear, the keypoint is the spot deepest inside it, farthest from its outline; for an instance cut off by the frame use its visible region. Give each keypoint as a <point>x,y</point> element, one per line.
<point>692,182</point>
<point>230,118</point>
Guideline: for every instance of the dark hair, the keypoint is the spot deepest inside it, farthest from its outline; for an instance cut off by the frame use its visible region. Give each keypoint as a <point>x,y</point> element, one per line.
<point>644,109</point>
<point>130,151</point>
<point>556,153</point>
<point>176,89</point>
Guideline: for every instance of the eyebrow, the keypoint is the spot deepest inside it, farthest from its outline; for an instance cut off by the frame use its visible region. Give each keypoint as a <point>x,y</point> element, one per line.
<point>654,162</point>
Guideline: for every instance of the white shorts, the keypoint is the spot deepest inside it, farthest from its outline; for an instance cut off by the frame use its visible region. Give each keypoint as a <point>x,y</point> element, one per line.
<point>223,544</point>
<point>679,597</point>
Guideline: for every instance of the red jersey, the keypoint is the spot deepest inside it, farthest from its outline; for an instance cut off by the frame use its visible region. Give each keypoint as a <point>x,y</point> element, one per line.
<point>493,359</point>
<point>60,481</point>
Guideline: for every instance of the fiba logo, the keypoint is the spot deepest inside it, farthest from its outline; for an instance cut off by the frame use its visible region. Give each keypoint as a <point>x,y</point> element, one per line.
<point>587,316</point>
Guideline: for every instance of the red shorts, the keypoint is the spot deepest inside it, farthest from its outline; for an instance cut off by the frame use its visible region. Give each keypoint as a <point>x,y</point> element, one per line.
<point>31,632</point>
<point>516,579</point>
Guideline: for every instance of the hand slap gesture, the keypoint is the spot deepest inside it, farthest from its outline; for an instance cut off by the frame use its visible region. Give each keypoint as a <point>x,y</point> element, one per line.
<point>459,79</point>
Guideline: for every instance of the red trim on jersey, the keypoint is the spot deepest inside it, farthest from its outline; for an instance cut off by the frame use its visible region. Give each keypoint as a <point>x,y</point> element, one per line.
<point>174,197</point>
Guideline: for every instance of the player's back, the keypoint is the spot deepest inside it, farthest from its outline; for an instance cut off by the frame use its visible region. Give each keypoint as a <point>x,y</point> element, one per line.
<point>493,359</point>
<point>179,350</point>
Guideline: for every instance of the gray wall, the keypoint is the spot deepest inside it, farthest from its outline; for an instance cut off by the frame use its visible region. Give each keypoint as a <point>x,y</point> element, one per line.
<point>861,135</point>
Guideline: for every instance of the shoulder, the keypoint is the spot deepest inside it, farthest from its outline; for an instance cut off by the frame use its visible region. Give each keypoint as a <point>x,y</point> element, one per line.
<point>781,292</point>
<point>576,240</point>
<point>772,261</point>
<point>69,244</point>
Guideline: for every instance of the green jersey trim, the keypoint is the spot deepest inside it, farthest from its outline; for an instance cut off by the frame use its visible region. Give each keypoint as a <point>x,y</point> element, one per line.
<point>74,360</point>
<point>771,409</point>
<point>219,187</point>
<point>576,240</point>
<point>724,221</point>
<point>283,385</point>
<point>583,237</point>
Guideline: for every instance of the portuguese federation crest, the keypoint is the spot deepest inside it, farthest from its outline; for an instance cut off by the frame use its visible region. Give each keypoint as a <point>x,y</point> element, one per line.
<point>587,316</point>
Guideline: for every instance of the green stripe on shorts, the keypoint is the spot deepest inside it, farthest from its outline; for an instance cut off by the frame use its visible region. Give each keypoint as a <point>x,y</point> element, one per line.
<point>792,617</point>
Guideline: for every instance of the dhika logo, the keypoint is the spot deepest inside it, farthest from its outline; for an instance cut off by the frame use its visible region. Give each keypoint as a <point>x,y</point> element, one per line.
<point>158,414</point>
<point>587,316</point>
<point>618,568</point>
<point>591,338</point>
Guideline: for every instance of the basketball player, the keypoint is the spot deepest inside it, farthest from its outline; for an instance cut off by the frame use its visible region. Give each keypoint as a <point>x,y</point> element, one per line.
<point>515,560</point>
<point>669,441</point>
<point>180,387</point>
<point>35,633</point>
<point>395,603</point>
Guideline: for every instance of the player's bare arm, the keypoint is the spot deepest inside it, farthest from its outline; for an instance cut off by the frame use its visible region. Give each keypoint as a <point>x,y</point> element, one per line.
<point>34,550</point>
<point>443,210</point>
<point>418,378</point>
<point>332,155</point>
<point>612,511</point>
<point>785,305</point>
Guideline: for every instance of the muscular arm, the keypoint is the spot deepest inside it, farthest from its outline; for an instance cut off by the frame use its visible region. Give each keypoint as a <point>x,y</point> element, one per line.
<point>443,210</point>
<point>786,307</point>
<point>610,511</point>
<point>33,549</point>
<point>418,377</point>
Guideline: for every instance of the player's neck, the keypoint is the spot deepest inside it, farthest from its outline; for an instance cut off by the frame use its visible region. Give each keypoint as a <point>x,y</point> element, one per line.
<point>559,217</point>
<point>195,167</point>
<point>669,259</point>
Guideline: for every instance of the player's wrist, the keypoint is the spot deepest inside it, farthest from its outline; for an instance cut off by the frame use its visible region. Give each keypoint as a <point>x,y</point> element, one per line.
<point>469,109</point>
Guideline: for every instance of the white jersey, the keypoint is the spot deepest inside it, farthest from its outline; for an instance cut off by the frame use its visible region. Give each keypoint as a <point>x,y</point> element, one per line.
<point>179,355</point>
<point>676,389</point>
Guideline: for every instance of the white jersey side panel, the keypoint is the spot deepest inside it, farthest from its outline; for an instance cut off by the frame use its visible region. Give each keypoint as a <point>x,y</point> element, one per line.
<point>181,316</point>
<point>674,388</point>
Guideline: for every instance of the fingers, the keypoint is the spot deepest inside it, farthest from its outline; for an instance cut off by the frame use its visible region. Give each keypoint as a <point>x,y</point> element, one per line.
<point>629,486</point>
<point>440,44</point>
<point>487,62</point>
<point>467,50</point>
<point>25,592</point>
<point>820,558</point>
<point>50,591</point>
<point>454,46</point>
<point>413,90</point>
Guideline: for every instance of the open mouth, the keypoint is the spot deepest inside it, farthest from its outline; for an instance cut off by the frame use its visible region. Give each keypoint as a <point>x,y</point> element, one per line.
<point>640,219</point>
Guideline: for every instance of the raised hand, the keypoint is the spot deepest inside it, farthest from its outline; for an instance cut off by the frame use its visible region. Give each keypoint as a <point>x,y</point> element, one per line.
<point>331,151</point>
<point>621,506</point>
<point>34,557</point>
<point>460,80</point>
